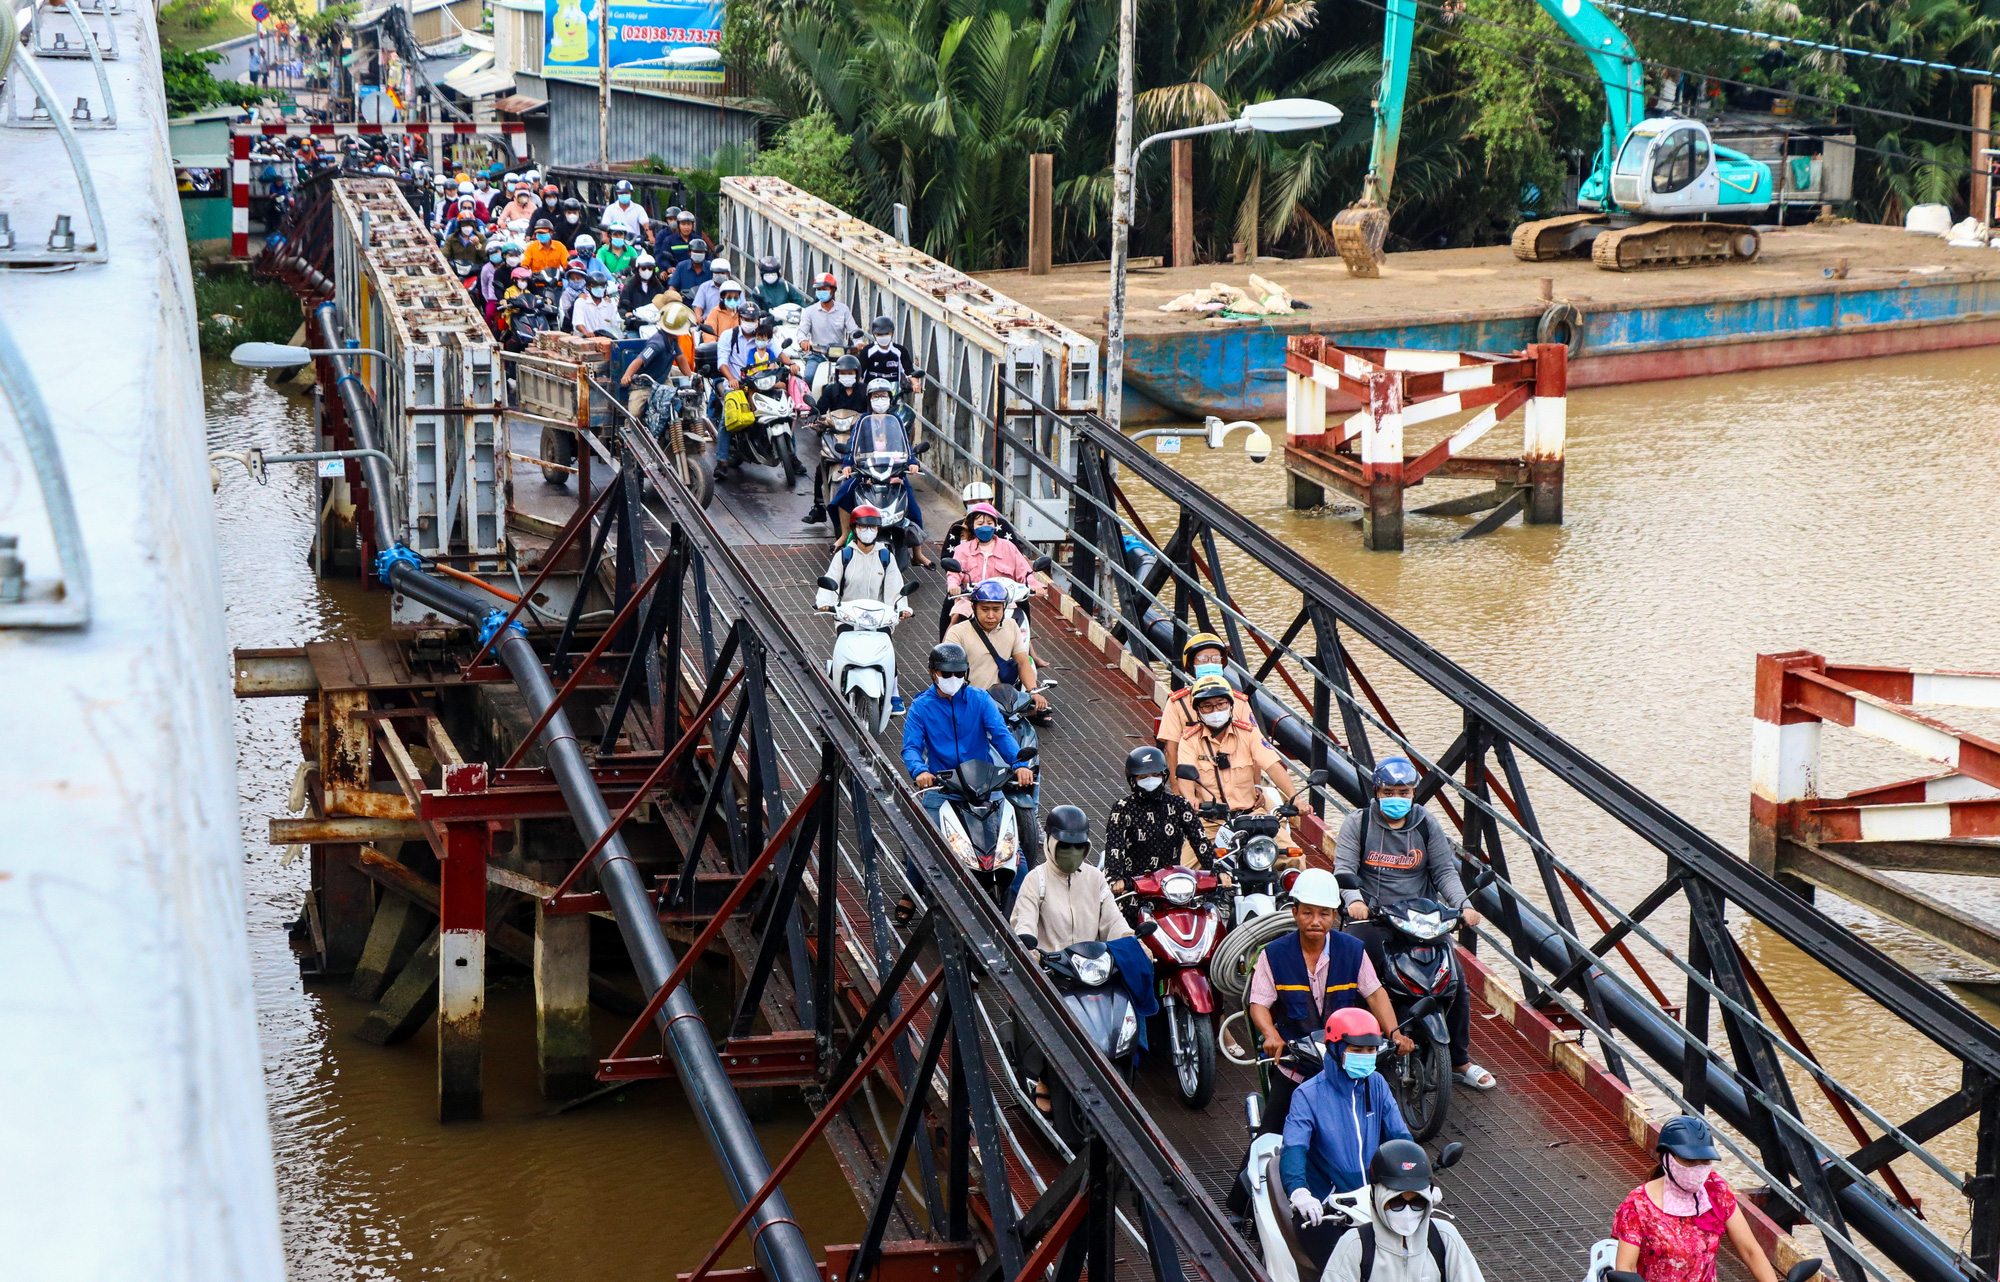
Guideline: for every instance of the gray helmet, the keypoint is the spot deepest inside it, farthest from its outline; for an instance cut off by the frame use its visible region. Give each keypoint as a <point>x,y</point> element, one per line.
<point>949,658</point>
<point>1067,825</point>
<point>1145,761</point>
<point>882,325</point>
<point>1401,1165</point>
<point>768,263</point>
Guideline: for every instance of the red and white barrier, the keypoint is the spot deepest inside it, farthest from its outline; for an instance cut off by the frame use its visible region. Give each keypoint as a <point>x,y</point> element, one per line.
<point>242,136</point>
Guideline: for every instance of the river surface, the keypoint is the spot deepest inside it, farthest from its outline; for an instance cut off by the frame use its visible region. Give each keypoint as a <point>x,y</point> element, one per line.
<point>1846,509</point>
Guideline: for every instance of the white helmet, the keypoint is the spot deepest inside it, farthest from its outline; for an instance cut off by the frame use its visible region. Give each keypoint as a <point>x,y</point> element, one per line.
<point>1317,887</point>
<point>720,267</point>
<point>509,179</point>
<point>585,242</point>
<point>977,492</point>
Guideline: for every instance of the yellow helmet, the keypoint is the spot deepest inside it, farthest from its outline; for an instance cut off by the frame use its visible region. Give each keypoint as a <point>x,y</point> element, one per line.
<point>1201,641</point>
<point>1210,687</point>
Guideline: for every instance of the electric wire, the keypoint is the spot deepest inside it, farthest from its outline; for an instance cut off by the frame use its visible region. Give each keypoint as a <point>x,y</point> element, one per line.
<point>1844,50</point>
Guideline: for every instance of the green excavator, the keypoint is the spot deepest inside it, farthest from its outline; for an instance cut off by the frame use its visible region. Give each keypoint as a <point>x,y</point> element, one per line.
<point>1652,191</point>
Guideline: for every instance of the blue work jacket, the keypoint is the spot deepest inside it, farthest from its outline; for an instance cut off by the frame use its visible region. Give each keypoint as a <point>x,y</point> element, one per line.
<point>1335,1125</point>
<point>938,733</point>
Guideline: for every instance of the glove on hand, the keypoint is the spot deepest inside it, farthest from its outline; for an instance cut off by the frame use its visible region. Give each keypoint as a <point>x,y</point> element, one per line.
<point>1308,1207</point>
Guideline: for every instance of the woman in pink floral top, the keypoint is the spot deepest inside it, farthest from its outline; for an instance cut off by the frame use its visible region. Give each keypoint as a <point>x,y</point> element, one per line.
<point>1671,1227</point>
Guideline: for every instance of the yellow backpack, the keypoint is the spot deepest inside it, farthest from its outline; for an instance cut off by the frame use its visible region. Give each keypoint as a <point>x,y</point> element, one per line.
<point>736,411</point>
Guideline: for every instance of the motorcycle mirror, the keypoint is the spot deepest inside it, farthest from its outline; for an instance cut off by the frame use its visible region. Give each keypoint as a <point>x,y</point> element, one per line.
<point>1049,684</point>
<point>1253,1111</point>
<point>951,564</point>
<point>1318,777</point>
<point>1347,880</point>
<point>1188,773</point>
<point>1026,755</point>
<point>1147,929</point>
<point>1422,1008</point>
<point>1043,564</point>
<point>1802,1270</point>
<point>910,588</point>
<point>921,447</point>
<point>1027,942</point>
<point>1449,1156</point>
<point>1482,881</point>
<point>828,583</point>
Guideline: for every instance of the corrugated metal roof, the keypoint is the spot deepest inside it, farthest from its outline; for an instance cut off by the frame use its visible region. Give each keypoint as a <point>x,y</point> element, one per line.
<point>677,130</point>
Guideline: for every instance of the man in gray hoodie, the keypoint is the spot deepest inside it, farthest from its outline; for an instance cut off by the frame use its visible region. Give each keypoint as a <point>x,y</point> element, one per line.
<point>1407,1241</point>
<point>1400,851</point>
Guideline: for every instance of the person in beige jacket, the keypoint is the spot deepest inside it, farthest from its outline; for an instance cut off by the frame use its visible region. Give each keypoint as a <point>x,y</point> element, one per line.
<point>1065,899</point>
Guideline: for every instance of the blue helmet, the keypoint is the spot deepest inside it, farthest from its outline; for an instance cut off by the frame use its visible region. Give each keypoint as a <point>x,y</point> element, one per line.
<point>990,590</point>
<point>1688,1138</point>
<point>1395,772</point>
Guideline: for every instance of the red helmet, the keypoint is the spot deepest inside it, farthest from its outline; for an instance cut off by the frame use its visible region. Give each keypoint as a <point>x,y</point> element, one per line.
<point>827,280</point>
<point>866,515</point>
<point>1351,1024</point>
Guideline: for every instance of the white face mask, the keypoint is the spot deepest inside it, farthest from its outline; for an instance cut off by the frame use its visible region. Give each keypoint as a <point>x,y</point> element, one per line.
<point>770,278</point>
<point>866,534</point>
<point>880,404</point>
<point>1151,783</point>
<point>1405,1222</point>
<point>949,686</point>
<point>1215,720</point>
<point>883,342</point>
<point>847,380</point>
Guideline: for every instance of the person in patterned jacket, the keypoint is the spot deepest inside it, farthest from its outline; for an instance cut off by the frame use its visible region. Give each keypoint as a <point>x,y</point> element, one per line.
<point>1153,826</point>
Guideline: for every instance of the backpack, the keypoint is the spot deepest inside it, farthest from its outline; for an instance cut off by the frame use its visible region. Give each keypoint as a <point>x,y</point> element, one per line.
<point>736,412</point>
<point>847,559</point>
<point>1434,1240</point>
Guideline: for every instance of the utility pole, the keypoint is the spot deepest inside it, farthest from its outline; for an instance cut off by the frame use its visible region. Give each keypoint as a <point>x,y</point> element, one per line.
<point>603,83</point>
<point>1121,222</point>
<point>1982,163</point>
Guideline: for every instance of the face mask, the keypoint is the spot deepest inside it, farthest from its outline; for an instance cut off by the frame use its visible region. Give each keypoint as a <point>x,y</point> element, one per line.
<point>624,199</point>
<point>880,404</point>
<point>949,686</point>
<point>824,295</point>
<point>1068,858</point>
<point>1208,669</point>
<point>847,380</point>
<point>1150,783</point>
<point>864,535</point>
<point>883,342</point>
<point>645,273</point>
<point>1359,1064</point>
<point>1689,1176</point>
<point>1394,807</point>
<point>1404,1222</point>
<point>513,260</point>
<point>597,291</point>
<point>1215,720</point>
<point>696,258</point>
<point>770,278</point>
<point>542,236</point>
<point>617,242</point>
<point>493,257</point>
<point>984,533</point>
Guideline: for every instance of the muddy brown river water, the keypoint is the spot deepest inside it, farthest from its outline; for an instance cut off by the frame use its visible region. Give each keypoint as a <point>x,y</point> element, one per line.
<point>1847,509</point>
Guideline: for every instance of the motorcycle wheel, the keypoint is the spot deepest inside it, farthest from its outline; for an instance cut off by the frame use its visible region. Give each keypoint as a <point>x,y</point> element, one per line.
<point>558,446</point>
<point>1194,1068</point>
<point>788,458</point>
<point>1422,1086</point>
<point>867,709</point>
<point>698,474</point>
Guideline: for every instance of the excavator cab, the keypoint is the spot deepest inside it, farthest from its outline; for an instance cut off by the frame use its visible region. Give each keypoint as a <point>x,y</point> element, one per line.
<point>1672,168</point>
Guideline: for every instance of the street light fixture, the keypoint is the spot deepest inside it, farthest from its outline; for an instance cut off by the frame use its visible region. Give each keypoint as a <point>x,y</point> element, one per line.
<point>1214,431</point>
<point>1280,115</point>
<point>286,356</point>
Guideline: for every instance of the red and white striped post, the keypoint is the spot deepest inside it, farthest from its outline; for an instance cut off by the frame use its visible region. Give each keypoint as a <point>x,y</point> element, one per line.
<point>1784,758</point>
<point>1382,463</point>
<point>239,195</point>
<point>1545,421</point>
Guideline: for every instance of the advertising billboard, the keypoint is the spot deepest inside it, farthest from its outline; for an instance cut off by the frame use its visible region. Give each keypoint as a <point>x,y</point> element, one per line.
<point>653,42</point>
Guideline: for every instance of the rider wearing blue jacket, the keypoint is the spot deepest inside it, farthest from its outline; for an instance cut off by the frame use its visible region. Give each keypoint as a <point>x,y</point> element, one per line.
<point>953,722</point>
<point>1336,1122</point>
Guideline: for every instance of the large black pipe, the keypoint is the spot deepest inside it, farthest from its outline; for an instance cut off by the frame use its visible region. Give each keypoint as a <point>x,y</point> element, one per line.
<point>1291,733</point>
<point>780,1242</point>
<point>1650,1032</point>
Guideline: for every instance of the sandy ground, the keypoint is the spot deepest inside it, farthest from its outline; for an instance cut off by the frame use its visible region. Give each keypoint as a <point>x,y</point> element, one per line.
<point>1444,281</point>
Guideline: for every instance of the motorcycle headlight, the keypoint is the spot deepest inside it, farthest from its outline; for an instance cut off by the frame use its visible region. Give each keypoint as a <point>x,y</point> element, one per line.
<point>1260,854</point>
<point>764,382</point>
<point>1128,1032</point>
<point>960,846</point>
<point>1177,887</point>
<point>1426,925</point>
<point>1091,970</point>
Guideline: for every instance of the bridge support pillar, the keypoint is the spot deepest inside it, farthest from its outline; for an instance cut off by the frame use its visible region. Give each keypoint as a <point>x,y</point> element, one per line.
<point>562,1001</point>
<point>462,970</point>
<point>347,907</point>
<point>1545,421</point>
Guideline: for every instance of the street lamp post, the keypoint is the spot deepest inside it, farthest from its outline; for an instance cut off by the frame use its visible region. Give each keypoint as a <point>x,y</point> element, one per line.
<point>1282,115</point>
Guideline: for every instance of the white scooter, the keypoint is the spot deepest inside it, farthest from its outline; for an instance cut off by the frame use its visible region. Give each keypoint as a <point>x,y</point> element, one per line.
<point>863,667</point>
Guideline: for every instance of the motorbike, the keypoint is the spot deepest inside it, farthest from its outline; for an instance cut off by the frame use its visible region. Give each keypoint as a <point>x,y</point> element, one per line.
<point>1422,964</point>
<point>673,417</point>
<point>978,822</point>
<point>1082,976</point>
<point>1270,1209</point>
<point>882,458</point>
<point>1182,902</point>
<point>1018,594</point>
<point>1017,708</point>
<point>830,354</point>
<point>836,438</point>
<point>863,666</point>
<point>769,439</point>
<point>1246,847</point>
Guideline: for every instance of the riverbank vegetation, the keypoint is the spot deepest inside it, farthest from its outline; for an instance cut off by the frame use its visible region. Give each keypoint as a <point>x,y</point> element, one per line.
<point>937,105</point>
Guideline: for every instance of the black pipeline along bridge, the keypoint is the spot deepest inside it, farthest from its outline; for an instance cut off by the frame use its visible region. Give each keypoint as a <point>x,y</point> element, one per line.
<point>668,711</point>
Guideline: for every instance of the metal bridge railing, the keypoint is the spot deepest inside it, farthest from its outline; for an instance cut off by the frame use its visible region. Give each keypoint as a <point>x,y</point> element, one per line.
<point>1814,1178</point>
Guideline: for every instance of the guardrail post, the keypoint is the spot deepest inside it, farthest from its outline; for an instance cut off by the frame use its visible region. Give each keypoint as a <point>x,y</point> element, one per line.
<point>1305,429</point>
<point>1784,763</point>
<point>1983,1189</point>
<point>1382,464</point>
<point>462,969</point>
<point>1545,423</point>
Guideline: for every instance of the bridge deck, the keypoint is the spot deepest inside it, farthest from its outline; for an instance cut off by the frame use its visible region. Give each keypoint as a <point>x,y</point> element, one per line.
<point>1546,1164</point>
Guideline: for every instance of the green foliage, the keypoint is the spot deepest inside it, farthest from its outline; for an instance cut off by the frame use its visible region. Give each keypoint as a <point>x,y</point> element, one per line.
<point>190,87</point>
<point>812,154</point>
<point>188,24</point>
<point>231,307</point>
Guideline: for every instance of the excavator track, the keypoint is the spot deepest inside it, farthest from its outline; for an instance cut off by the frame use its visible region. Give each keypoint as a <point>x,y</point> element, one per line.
<point>1359,232</point>
<point>1653,246</point>
<point>1548,239</point>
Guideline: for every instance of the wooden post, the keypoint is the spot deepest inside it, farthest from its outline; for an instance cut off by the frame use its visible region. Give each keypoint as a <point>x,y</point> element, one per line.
<point>1041,212</point>
<point>347,907</point>
<point>461,969</point>
<point>400,927</point>
<point>1183,166</point>
<point>1982,164</point>
<point>562,1001</point>
<point>1545,422</point>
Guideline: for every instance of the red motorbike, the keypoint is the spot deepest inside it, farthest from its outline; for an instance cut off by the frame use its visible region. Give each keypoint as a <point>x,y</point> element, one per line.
<point>1184,902</point>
